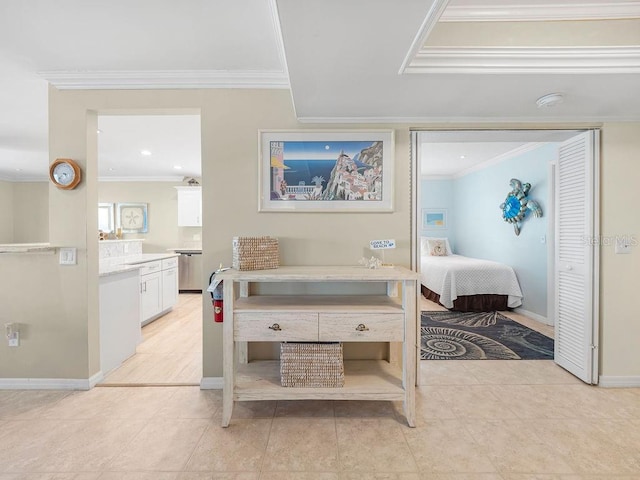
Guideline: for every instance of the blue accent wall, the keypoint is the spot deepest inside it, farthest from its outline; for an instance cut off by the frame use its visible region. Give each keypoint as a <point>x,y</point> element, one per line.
<point>438,195</point>
<point>476,224</point>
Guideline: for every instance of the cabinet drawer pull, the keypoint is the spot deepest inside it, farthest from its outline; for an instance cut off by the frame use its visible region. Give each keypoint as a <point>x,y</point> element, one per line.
<point>275,327</point>
<point>362,328</point>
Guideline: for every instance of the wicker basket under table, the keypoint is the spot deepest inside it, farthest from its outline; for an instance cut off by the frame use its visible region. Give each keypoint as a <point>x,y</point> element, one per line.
<point>311,365</point>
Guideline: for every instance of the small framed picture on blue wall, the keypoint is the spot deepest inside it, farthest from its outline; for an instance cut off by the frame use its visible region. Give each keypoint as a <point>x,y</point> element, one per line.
<point>434,218</point>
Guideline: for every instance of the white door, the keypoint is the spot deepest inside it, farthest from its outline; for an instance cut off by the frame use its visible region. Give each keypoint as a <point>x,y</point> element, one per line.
<point>576,255</point>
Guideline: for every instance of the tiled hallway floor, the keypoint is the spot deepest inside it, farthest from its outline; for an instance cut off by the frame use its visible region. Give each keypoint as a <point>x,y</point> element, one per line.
<point>485,420</point>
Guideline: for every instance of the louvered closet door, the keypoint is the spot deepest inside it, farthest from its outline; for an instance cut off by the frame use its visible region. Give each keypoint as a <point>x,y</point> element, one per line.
<point>576,250</point>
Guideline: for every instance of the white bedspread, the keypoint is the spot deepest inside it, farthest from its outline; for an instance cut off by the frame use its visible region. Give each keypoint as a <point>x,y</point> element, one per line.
<point>452,276</point>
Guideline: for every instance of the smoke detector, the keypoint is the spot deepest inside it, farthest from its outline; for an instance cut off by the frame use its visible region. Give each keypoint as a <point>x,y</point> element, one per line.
<point>550,100</point>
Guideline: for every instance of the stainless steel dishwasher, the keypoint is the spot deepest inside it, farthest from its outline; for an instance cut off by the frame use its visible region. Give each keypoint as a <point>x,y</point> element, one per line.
<point>190,271</point>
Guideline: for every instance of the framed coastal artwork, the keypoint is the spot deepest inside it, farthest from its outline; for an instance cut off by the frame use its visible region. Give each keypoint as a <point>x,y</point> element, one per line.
<point>132,217</point>
<point>434,219</point>
<point>326,171</point>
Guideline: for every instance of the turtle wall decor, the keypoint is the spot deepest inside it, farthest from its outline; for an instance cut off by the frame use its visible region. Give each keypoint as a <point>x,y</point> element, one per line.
<point>517,204</point>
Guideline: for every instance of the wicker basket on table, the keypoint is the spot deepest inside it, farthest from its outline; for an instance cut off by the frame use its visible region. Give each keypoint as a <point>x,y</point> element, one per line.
<point>255,253</point>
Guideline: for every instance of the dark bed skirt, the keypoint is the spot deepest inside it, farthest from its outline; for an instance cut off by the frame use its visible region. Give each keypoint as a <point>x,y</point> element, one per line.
<point>471,303</point>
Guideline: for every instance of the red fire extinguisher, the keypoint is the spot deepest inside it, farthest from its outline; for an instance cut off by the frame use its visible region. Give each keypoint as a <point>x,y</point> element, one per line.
<point>217,296</point>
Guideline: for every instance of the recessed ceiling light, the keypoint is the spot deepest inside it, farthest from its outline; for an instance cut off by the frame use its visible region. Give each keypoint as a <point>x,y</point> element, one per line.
<point>98,131</point>
<point>111,169</point>
<point>177,167</point>
<point>18,169</point>
<point>550,100</point>
<point>145,153</point>
<point>462,157</point>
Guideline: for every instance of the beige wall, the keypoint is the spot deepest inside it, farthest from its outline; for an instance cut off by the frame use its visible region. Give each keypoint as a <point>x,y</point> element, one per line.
<point>59,304</point>
<point>620,274</point>
<point>24,212</point>
<point>6,212</point>
<point>31,212</point>
<point>162,213</point>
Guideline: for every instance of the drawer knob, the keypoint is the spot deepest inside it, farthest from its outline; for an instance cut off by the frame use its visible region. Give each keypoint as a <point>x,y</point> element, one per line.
<point>275,327</point>
<point>362,328</point>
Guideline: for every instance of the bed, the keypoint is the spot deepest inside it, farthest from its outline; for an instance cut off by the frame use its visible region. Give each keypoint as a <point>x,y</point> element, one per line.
<point>466,284</point>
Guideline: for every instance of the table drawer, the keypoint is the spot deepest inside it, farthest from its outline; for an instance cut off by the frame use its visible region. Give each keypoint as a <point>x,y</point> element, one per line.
<point>255,327</point>
<point>361,327</point>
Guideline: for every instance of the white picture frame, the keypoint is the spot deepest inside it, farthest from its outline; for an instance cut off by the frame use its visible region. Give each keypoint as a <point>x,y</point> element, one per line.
<point>434,219</point>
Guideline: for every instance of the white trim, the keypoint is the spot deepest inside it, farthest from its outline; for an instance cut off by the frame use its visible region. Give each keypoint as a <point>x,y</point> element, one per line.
<point>608,381</point>
<point>479,120</point>
<point>158,79</point>
<point>548,12</point>
<point>552,178</point>
<point>212,383</point>
<point>50,383</point>
<point>595,198</point>
<point>141,179</point>
<point>534,316</point>
<point>521,150</point>
<point>510,60</point>
<point>282,54</point>
<point>23,179</point>
<point>430,21</point>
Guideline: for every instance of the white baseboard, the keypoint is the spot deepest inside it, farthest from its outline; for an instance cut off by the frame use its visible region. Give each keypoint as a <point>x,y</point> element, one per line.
<point>608,381</point>
<point>212,383</point>
<point>50,383</point>
<point>534,316</point>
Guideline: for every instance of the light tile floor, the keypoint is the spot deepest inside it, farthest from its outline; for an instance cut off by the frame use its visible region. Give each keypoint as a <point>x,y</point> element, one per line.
<point>476,420</point>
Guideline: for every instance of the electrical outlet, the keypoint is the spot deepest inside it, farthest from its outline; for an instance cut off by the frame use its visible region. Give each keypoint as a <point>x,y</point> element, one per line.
<point>12,334</point>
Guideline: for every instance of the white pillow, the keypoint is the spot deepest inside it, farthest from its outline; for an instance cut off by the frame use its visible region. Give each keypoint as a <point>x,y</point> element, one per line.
<point>424,248</point>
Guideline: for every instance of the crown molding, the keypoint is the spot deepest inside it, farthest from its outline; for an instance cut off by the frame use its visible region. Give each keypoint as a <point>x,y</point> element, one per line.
<point>453,122</point>
<point>429,22</point>
<point>159,79</point>
<point>539,60</point>
<point>426,176</point>
<point>172,179</point>
<point>548,12</point>
<point>23,178</point>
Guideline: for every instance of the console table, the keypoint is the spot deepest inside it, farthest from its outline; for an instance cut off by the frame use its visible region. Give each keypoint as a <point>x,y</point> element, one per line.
<point>320,318</point>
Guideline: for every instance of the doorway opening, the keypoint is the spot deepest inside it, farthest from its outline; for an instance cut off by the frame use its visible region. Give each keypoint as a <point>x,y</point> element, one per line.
<point>146,163</point>
<point>462,188</point>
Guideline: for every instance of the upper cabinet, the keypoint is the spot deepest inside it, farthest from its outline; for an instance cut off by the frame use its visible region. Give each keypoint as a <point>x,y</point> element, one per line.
<point>189,206</point>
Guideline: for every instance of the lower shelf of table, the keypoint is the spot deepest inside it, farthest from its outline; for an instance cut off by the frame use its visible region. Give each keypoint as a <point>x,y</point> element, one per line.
<point>364,380</point>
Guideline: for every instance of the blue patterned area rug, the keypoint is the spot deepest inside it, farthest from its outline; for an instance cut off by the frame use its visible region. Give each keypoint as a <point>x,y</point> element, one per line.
<point>480,336</point>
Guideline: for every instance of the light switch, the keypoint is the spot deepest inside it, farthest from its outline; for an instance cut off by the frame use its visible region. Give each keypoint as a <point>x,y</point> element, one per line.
<point>68,256</point>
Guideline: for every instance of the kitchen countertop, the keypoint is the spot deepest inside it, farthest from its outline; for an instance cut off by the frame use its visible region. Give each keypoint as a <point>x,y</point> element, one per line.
<point>117,265</point>
<point>186,250</point>
<point>147,257</point>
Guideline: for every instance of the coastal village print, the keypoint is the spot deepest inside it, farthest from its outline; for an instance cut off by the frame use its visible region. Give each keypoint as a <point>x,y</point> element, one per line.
<point>326,171</point>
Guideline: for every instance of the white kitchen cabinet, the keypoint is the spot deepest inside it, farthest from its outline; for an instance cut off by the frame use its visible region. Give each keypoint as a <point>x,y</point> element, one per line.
<point>169,283</point>
<point>189,206</point>
<point>158,288</point>
<point>150,294</point>
<point>119,320</point>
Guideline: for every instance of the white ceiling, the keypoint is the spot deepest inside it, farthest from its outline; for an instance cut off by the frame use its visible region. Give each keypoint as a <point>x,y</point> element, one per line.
<point>341,58</point>
<point>449,154</point>
<point>168,142</point>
